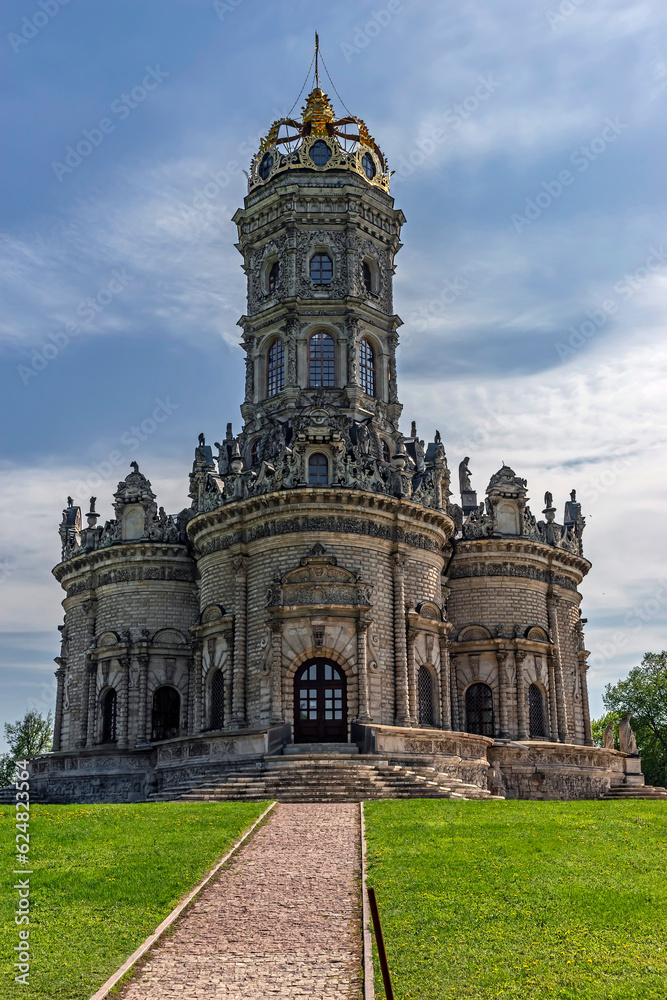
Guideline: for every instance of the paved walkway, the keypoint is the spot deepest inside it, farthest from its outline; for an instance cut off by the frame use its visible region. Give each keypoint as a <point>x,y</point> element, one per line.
<point>281,921</point>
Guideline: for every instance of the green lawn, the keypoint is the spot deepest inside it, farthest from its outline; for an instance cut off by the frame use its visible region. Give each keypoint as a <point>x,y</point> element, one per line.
<point>104,877</point>
<point>529,900</point>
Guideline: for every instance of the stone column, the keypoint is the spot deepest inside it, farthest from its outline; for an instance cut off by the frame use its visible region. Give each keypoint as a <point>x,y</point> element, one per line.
<point>413,699</point>
<point>277,711</point>
<point>454,693</point>
<point>363,715</point>
<point>91,701</point>
<point>393,387</point>
<point>228,636</point>
<point>503,693</point>
<point>400,649</point>
<point>124,663</point>
<point>60,692</point>
<point>553,714</point>
<point>186,698</point>
<point>561,706</point>
<point>588,732</point>
<point>522,722</point>
<point>197,684</point>
<point>240,566</point>
<point>445,684</point>
<point>144,730</point>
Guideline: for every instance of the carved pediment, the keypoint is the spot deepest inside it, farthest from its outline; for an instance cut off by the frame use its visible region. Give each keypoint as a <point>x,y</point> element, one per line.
<point>211,613</point>
<point>319,580</point>
<point>107,639</point>
<point>168,637</point>
<point>429,609</point>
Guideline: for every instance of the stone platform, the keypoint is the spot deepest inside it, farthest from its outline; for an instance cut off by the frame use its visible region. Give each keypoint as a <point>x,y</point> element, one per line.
<point>381,762</point>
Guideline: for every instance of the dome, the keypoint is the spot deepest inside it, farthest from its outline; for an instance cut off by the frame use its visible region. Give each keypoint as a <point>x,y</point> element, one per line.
<point>319,141</point>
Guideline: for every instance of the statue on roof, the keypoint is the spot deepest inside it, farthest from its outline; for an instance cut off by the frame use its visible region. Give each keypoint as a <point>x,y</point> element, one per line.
<point>464,476</point>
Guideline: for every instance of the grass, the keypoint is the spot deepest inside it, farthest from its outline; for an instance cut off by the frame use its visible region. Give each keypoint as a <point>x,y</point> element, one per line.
<point>103,878</point>
<point>529,900</point>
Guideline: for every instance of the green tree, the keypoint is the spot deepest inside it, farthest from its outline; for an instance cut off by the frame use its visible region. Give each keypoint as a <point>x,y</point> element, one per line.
<point>644,693</point>
<point>27,738</point>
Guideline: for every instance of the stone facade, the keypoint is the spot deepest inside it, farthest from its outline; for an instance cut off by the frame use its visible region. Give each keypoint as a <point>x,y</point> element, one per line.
<point>320,538</point>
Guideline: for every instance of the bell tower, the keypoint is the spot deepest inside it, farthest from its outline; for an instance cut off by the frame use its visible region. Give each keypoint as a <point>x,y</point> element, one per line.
<point>319,234</point>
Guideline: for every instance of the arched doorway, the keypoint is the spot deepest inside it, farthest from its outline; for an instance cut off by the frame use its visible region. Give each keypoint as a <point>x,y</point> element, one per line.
<point>320,703</point>
<point>479,710</point>
<point>166,713</point>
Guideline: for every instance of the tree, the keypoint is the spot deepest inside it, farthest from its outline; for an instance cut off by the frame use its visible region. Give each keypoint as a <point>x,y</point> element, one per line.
<point>27,738</point>
<point>644,693</point>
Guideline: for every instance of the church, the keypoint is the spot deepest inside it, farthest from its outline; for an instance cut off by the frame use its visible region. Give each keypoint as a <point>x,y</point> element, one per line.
<point>333,614</point>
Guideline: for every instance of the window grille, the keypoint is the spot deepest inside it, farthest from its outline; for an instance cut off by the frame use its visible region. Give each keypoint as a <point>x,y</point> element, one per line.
<point>321,359</point>
<point>321,269</point>
<point>366,368</point>
<point>109,709</point>
<point>536,711</point>
<point>217,700</point>
<point>425,694</point>
<point>275,368</point>
<point>318,470</point>
<point>479,710</point>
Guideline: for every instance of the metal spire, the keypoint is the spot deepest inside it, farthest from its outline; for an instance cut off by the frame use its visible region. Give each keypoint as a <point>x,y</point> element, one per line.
<point>317,54</point>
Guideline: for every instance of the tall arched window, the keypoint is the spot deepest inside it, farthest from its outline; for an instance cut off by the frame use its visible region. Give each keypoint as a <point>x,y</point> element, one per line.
<point>109,706</point>
<point>479,710</point>
<point>367,276</point>
<point>536,711</point>
<point>366,367</point>
<point>166,713</point>
<point>318,470</point>
<point>274,278</point>
<point>255,452</point>
<point>321,269</point>
<point>386,454</point>
<point>217,719</point>
<point>275,368</point>
<point>425,694</point>
<point>321,360</point>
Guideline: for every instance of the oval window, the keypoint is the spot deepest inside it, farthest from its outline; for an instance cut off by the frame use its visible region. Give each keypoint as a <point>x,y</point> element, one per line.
<point>320,153</point>
<point>368,165</point>
<point>265,166</point>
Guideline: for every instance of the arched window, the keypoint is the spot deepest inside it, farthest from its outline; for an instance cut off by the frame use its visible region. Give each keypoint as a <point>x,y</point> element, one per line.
<point>479,710</point>
<point>274,278</point>
<point>318,470</point>
<point>166,713</point>
<point>321,357</point>
<point>425,694</point>
<point>386,454</point>
<point>366,368</point>
<point>109,705</point>
<point>255,452</point>
<point>536,711</point>
<point>369,166</point>
<point>367,276</point>
<point>321,269</point>
<point>265,166</point>
<point>217,719</point>
<point>275,368</point>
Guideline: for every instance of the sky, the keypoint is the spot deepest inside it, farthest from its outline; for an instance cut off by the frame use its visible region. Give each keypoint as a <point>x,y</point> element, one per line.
<point>528,145</point>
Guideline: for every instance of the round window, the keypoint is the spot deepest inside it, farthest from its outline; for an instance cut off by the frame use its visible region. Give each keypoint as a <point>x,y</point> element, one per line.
<point>265,166</point>
<point>320,153</point>
<point>368,165</point>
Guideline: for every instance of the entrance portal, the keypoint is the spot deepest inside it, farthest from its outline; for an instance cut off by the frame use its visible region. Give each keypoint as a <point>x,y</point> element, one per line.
<point>320,704</point>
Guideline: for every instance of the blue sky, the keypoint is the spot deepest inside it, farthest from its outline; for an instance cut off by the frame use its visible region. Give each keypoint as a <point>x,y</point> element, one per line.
<point>529,145</point>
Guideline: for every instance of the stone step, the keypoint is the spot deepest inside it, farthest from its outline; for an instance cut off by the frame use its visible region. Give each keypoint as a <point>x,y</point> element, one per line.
<point>639,792</point>
<point>332,778</point>
<point>324,749</point>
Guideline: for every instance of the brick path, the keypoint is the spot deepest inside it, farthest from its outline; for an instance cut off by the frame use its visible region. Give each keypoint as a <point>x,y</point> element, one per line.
<point>281,921</point>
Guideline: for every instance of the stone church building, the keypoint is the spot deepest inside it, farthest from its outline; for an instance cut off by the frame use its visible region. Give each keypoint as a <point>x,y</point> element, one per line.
<point>328,595</point>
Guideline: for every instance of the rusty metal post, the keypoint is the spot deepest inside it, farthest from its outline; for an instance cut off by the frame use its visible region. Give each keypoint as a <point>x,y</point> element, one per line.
<point>379,940</point>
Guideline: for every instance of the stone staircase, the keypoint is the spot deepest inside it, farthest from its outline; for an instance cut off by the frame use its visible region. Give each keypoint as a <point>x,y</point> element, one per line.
<point>323,777</point>
<point>635,792</point>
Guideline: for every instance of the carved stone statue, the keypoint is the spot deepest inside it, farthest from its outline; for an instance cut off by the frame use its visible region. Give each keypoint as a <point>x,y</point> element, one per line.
<point>548,499</point>
<point>626,737</point>
<point>464,476</point>
<point>609,737</point>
